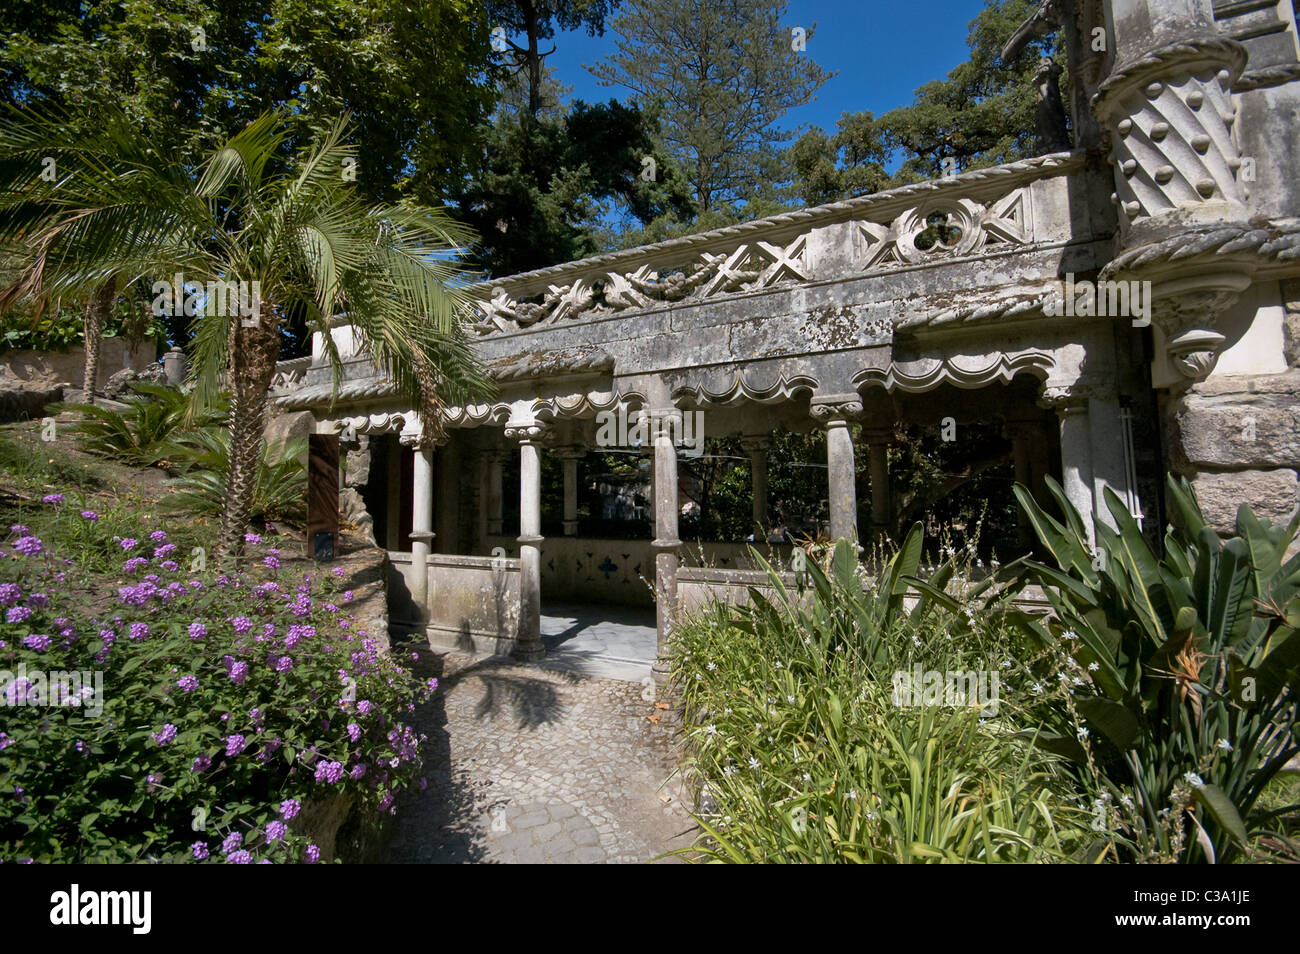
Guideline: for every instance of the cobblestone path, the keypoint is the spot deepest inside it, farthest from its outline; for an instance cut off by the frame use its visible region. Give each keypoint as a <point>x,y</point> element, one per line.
<point>534,765</point>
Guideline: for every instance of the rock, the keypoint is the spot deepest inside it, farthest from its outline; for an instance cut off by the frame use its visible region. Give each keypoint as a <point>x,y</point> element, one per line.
<point>1271,494</point>
<point>285,427</point>
<point>23,404</point>
<point>356,464</point>
<point>1291,323</point>
<point>119,384</point>
<point>352,510</point>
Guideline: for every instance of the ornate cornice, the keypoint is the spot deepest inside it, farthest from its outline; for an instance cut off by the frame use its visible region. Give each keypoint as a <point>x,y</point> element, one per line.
<point>926,374</point>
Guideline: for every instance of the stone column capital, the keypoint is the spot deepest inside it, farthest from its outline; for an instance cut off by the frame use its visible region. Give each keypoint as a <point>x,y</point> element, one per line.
<point>527,432</point>
<point>1067,398</point>
<point>878,435</point>
<point>570,452</point>
<point>755,443</point>
<point>835,410</point>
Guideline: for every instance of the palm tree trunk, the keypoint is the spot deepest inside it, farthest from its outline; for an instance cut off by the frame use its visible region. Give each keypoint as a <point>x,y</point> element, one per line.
<point>253,353</point>
<point>98,307</point>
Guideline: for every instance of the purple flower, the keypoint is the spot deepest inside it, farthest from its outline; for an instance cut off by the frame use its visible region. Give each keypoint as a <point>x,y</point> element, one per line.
<point>232,842</point>
<point>139,631</point>
<point>162,551</point>
<point>165,734</point>
<point>200,850</point>
<point>238,673</point>
<point>358,770</point>
<point>252,538</point>
<point>28,546</point>
<point>235,744</point>
<point>158,536</point>
<point>329,772</point>
<point>276,830</point>
<point>271,563</point>
<point>364,707</point>
<point>347,596</point>
<point>5,741</point>
<point>198,631</point>
<point>188,683</point>
<point>128,543</point>
<point>89,515</point>
<point>52,499</point>
<point>242,624</point>
<point>16,614</point>
<point>432,684</point>
<point>10,593</point>
<point>37,641</point>
<point>240,857</point>
<point>289,808</point>
<point>313,854</point>
<point>201,764</point>
<point>19,529</point>
<point>284,664</point>
<point>337,571</point>
<point>171,566</point>
<point>354,731</point>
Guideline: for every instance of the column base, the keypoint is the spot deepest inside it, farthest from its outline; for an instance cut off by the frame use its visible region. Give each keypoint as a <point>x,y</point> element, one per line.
<point>529,653</point>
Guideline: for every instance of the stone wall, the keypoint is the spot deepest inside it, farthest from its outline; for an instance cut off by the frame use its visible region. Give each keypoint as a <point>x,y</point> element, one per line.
<point>1238,440</point>
<point>34,370</point>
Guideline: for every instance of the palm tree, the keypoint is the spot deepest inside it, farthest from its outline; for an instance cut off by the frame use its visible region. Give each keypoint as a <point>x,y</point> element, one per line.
<point>289,225</point>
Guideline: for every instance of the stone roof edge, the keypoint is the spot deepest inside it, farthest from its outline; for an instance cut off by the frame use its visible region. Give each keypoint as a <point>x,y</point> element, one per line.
<point>1012,173</point>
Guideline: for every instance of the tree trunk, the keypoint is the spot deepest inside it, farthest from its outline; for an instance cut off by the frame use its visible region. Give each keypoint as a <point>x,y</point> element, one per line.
<point>253,353</point>
<point>98,307</point>
<point>532,28</point>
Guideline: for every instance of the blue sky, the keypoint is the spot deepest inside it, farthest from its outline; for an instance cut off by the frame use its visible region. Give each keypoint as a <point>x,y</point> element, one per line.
<point>882,49</point>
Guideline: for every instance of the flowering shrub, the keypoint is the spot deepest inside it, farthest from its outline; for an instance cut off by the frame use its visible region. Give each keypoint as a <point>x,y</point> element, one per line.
<point>228,704</point>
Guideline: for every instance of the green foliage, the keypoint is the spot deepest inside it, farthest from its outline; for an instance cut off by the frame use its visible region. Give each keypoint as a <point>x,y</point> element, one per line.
<point>150,765</point>
<point>801,742</point>
<point>203,456</point>
<point>413,74</point>
<point>144,433</point>
<point>1195,665</point>
<point>545,182</point>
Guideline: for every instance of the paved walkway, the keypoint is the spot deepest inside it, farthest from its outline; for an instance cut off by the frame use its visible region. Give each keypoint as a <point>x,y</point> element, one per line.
<point>530,764</point>
<point>614,642</point>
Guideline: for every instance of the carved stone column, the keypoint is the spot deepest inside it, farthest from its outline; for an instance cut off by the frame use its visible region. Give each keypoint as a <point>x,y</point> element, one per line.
<point>834,412</point>
<point>666,543</point>
<point>756,446</point>
<point>1071,406</point>
<point>495,462</point>
<point>569,457</point>
<point>421,523</point>
<point>528,645</point>
<point>878,440</point>
<point>1022,435</point>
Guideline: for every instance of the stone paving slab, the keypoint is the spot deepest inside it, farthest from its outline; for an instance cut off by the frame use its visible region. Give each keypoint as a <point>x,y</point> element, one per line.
<point>533,765</point>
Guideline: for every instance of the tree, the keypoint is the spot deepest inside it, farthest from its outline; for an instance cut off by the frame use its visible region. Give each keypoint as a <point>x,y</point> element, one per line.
<point>537,20</point>
<point>545,183</point>
<point>719,75</point>
<point>295,234</point>
<point>415,74</point>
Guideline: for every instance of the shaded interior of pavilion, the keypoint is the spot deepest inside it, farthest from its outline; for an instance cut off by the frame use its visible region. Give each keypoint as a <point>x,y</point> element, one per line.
<point>758,479</point>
